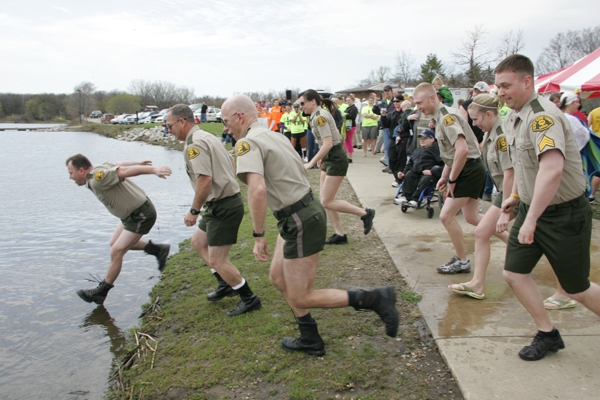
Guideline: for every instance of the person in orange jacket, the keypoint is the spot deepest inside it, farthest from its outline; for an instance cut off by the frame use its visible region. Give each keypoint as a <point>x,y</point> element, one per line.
<point>275,116</point>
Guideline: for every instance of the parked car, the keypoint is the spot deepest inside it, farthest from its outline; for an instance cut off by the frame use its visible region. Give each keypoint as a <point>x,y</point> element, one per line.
<point>106,118</point>
<point>160,117</point>
<point>213,114</point>
<point>96,114</point>
<point>195,107</point>
<point>147,117</point>
<point>130,119</point>
<point>120,119</point>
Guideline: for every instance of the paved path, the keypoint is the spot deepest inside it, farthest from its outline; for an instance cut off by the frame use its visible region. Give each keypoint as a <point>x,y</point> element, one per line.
<point>480,339</point>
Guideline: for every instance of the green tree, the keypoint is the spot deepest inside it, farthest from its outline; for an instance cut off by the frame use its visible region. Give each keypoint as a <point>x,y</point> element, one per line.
<point>123,103</point>
<point>431,67</point>
<point>31,109</point>
<point>1,111</point>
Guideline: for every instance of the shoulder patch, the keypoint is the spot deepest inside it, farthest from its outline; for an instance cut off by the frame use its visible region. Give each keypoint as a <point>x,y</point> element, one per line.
<point>545,142</point>
<point>444,111</point>
<point>449,120</point>
<point>501,144</point>
<point>192,153</point>
<point>542,123</point>
<point>99,175</point>
<point>321,121</point>
<point>242,148</point>
<point>536,106</point>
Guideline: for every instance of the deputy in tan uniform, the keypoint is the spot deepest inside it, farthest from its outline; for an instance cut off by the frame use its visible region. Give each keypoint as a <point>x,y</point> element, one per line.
<point>126,201</point>
<point>277,179</point>
<point>332,160</point>
<point>464,174</point>
<point>554,218</point>
<point>212,175</point>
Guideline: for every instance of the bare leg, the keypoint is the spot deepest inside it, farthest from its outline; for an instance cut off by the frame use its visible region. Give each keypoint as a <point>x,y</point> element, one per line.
<point>216,258</point>
<point>590,298</point>
<point>530,297</point>
<point>595,184</point>
<point>448,218</point>
<point>119,248</point>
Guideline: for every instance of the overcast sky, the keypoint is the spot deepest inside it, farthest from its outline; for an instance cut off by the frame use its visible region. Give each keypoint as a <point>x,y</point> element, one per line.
<point>226,47</point>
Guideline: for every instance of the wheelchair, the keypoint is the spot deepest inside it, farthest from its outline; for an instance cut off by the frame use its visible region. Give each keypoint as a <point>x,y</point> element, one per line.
<point>428,196</point>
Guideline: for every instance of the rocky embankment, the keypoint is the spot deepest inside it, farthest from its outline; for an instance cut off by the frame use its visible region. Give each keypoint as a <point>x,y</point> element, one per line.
<point>153,134</point>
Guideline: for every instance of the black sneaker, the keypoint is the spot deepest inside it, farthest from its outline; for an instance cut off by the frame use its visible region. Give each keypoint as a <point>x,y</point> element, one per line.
<point>367,220</point>
<point>97,294</point>
<point>389,171</point>
<point>163,255</point>
<point>541,346</point>
<point>337,239</point>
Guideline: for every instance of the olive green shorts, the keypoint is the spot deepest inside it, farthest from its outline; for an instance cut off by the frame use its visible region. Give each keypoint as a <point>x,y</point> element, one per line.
<point>471,181</point>
<point>498,201</point>
<point>142,219</point>
<point>221,220</point>
<point>335,163</point>
<point>563,234</point>
<point>304,231</point>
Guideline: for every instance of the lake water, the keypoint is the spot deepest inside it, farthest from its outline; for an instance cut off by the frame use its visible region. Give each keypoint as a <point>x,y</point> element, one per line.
<point>54,234</point>
<point>4,126</point>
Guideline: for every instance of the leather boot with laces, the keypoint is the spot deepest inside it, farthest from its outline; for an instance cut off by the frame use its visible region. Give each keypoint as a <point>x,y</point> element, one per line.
<point>383,301</point>
<point>223,290</point>
<point>249,301</point>
<point>160,251</point>
<point>97,294</point>
<point>309,341</point>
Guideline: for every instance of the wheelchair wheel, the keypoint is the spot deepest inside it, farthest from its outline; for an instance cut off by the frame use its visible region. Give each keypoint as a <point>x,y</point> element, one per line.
<point>404,208</point>
<point>430,212</point>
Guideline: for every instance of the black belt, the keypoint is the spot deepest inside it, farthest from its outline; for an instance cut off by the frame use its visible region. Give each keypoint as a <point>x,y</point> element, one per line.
<point>294,208</point>
<point>211,203</point>
<point>472,160</point>
<point>576,202</point>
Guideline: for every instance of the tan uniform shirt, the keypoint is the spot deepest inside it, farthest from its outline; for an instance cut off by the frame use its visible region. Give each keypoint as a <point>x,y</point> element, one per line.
<point>204,154</point>
<point>541,126</point>
<point>449,124</point>
<point>120,196</point>
<point>271,155</point>
<point>322,125</point>
<point>496,155</point>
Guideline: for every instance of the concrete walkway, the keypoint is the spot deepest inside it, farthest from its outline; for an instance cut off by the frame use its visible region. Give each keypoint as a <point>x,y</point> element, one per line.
<point>480,339</point>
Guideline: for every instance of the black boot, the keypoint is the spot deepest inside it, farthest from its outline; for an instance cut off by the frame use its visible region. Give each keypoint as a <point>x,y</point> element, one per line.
<point>249,301</point>
<point>309,341</point>
<point>160,251</point>
<point>97,294</point>
<point>383,301</point>
<point>223,290</point>
<point>367,220</point>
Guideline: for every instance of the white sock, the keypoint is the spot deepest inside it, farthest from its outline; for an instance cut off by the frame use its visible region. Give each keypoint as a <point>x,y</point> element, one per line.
<point>236,287</point>
<point>214,271</point>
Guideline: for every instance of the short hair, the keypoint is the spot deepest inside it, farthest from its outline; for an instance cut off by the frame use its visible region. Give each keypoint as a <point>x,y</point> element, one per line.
<point>554,96</point>
<point>351,96</point>
<point>438,79</point>
<point>487,102</point>
<point>405,103</point>
<point>516,63</point>
<point>426,88</point>
<point>182,111</point>
<point>79,161</point>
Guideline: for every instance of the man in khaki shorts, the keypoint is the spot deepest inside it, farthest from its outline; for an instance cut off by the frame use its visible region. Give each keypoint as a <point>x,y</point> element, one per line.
<point>277,179</point>
<point>555,217</point>
<point>212,175</point>
<point>464,174</point>
<point>127,201</point>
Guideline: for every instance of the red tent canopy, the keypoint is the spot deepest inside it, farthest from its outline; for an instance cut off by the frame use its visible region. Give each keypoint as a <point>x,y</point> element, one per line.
<point>583,77</point>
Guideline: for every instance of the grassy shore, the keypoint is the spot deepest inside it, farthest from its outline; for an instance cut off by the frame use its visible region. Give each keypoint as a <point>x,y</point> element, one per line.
<point>187,348</point>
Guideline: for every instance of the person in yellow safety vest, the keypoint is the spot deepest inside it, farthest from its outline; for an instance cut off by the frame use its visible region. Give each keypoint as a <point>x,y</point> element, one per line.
<point>285,122</point>
<point>275,116</point>
<point>298,128</point>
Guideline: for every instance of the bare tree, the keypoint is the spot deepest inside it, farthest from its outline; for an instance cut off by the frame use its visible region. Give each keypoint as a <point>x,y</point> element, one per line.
<point>378,75</point>
<point>83,97</point>
<point>566,48</point>
<point>406,70</point>
<point>471,54</point>
<point>511,43</point>
<point>587,42</point>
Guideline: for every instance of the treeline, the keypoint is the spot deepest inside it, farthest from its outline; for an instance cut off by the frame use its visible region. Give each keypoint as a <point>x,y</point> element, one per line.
<point>85,98</point>
<point>474,59</point>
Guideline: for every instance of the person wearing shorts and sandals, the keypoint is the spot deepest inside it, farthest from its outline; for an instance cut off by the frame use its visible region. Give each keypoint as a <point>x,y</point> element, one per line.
<point>126,201</point>
<point>211,170</point>
<point>277,179</point>
<point>554,216</point>
<point>369,126</point>
<point>463,176</point>
<point>484,112</point>
<point>333,162</point>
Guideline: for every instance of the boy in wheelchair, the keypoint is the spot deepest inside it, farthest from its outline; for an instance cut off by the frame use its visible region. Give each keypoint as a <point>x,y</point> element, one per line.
<point>422,170</point>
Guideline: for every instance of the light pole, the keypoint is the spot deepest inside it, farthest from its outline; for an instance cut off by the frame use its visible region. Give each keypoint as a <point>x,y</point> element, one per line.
<point>80,122</point>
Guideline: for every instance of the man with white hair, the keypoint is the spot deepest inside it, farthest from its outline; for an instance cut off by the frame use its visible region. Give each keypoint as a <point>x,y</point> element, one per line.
<point>277,179</point>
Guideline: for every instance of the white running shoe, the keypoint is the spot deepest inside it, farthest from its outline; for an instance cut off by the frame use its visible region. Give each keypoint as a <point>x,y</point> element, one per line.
<point>413,203</point>
<point>400,200</point>
<point>395,184</point>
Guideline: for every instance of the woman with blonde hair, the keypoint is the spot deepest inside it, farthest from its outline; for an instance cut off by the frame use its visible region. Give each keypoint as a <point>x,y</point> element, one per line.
<point>484,111</point>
